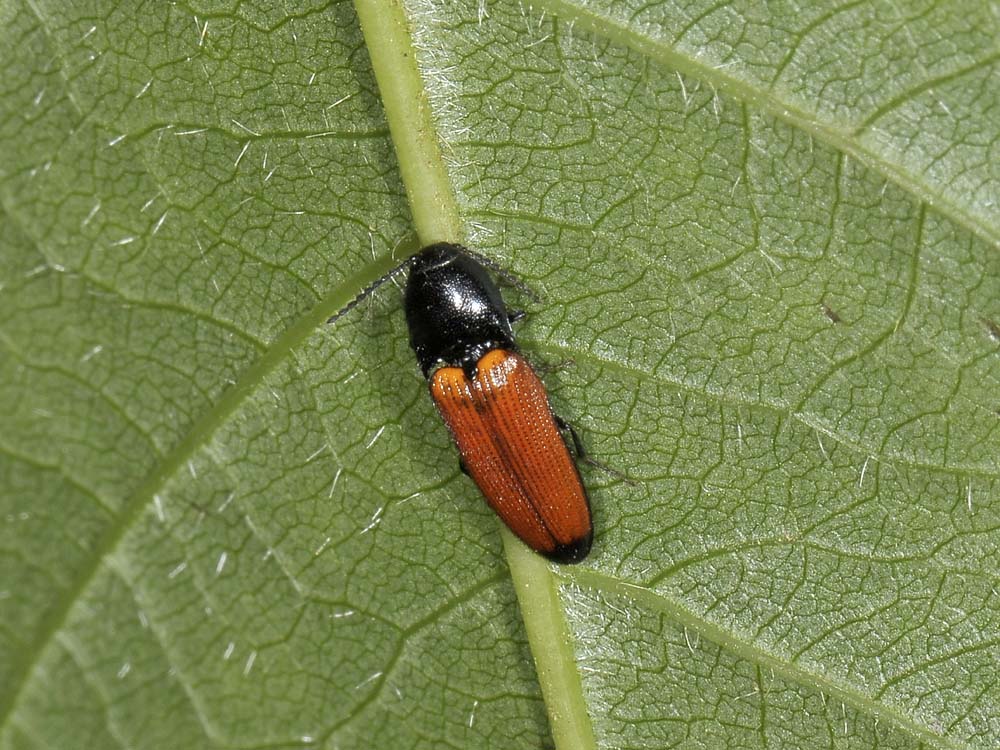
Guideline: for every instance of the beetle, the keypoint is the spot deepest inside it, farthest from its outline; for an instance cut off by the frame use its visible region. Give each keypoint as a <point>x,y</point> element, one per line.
<point>509,440</point>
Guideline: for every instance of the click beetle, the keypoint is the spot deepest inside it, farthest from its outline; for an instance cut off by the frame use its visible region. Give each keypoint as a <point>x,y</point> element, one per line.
<point>509,440</point>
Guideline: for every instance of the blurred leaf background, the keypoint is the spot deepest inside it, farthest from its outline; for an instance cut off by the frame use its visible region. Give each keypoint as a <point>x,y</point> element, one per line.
<point>766,238</point>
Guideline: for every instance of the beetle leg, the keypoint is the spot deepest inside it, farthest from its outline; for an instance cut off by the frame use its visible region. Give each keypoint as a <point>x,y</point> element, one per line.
<point>503,274</point>
<point>546,367</point>
<point>582,454</point>
<point>565,426</point>
<point>515,315</point>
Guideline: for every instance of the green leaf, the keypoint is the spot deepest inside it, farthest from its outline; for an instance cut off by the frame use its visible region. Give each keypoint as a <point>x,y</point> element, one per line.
<point>766,239</point>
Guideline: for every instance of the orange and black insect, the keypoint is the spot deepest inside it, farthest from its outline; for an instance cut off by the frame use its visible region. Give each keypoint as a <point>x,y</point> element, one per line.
<point>509,441</point>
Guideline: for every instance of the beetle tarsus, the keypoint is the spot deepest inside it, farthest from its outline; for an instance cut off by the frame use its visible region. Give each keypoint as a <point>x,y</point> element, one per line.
<point>515,315</point>
<point>582,454</point>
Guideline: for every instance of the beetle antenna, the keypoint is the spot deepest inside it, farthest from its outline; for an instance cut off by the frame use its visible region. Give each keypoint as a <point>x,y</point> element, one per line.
<point>368,290</point>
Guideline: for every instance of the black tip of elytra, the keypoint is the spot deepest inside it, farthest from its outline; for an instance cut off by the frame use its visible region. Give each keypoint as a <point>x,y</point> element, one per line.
<point>571,552</point>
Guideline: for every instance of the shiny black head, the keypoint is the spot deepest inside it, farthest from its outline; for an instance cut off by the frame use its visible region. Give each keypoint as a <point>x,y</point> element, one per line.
<point>453,309</point>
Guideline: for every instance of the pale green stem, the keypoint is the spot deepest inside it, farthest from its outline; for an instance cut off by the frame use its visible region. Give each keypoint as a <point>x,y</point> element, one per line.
<point>551,646</point>
<point>390,45</point>
<point>387,35</point>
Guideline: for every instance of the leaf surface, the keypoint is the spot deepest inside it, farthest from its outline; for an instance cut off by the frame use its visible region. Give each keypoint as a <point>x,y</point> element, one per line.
<point>766,242</point>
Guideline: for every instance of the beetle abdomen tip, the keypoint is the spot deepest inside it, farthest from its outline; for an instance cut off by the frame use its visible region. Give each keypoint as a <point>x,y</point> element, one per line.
<point>573,552</point>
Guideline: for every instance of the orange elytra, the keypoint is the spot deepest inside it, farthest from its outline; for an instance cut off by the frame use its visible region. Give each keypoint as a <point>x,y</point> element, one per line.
<point>510,445</point>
